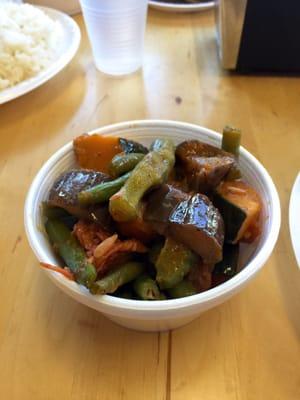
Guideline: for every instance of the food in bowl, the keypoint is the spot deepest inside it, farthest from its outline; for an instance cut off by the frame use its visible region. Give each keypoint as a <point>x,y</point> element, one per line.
<point>28,42</point>
<point>153,223</point>
<point>171,313</point>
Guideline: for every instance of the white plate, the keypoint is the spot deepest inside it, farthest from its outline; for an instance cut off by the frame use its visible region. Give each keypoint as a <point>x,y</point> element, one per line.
<point>294,218</point>
<point>176,7</point>
<point>66,51</point>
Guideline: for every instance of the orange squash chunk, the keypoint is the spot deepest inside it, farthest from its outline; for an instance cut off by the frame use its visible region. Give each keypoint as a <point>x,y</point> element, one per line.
<point>96,151</point>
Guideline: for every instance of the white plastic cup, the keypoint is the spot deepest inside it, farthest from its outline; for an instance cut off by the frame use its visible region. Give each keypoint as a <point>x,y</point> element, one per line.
<point>116,31</point>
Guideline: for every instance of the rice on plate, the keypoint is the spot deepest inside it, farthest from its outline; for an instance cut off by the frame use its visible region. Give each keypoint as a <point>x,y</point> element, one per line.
<point>28,42</point>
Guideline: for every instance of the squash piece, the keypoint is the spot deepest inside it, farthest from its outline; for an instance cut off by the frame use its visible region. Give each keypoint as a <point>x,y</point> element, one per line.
<point>240,206</point>
<point>96,151</point>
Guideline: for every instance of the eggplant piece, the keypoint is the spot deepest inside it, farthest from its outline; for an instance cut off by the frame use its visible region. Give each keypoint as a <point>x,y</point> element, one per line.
<point>190,219</point>
<point>204,165</point>
<point>64,194</point>
<point>229,265</point>
<point>130,146</point>
<point>65,190</point>
<point>101,216</point>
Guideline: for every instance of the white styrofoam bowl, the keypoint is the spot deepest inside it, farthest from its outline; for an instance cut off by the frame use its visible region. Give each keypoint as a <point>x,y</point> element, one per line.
<point>167,314</point>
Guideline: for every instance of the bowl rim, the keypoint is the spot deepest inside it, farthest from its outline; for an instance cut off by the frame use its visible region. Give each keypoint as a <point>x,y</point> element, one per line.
<point>226,288</point>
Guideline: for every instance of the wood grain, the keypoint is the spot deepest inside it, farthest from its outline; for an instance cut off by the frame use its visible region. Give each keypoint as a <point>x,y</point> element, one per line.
<point>52,347</point>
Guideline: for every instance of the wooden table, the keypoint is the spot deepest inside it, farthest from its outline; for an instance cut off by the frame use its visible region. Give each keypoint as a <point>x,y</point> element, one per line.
<point>54,348</point>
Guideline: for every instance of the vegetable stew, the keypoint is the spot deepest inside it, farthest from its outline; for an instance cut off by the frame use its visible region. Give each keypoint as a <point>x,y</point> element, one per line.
<point>151,224</point>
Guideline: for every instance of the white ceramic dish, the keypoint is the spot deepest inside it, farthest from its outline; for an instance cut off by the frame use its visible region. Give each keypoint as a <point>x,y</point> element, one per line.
<point>294,218</point>
<point>160,315</point>
<point>182,8</point>
<point>65,52</point>
<point>70,6</point>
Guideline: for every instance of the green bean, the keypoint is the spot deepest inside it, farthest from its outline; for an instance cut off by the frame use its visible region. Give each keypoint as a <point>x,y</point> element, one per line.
<point>53,212</point>
<point>102,192</point>
<point>146,288</point>
<point>122,163</point>
<point>111,282</point>
<point>231,140</point>
<point>152,170</point>
<point>173,263</point>
<point>159,144</point>
<point>182,289</point>
<point>70,250</point>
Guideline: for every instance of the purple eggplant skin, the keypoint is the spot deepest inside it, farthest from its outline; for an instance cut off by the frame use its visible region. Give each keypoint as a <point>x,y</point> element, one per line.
<point>64,194</point>
<point>204,165</point>
<point>190,219</point>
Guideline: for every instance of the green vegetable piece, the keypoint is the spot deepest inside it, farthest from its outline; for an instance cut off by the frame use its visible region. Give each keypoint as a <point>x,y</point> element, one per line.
<point>158,144</point>
<point>71,252</point>
<point>173,263</point>
<point>130,146</point>
<point>229,265</point>
<point>152,170</point>
<point>146,288</point>
<point>122,163</point>
<point>111,282</point>
<point>231,140</point>
<point>182,289</point>
<point>53,212</point>
<point>102,192</point>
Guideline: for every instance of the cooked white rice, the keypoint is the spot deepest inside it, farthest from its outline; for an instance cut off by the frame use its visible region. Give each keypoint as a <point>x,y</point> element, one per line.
<point>28,42</point>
